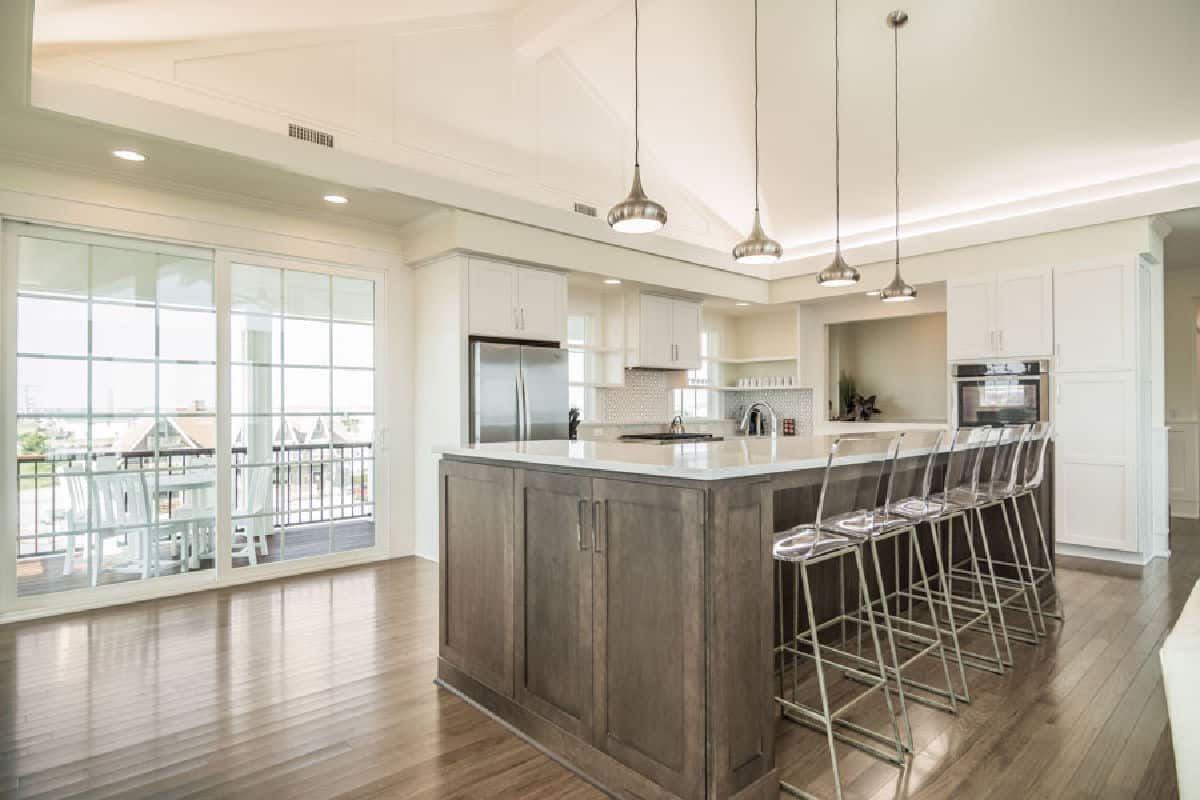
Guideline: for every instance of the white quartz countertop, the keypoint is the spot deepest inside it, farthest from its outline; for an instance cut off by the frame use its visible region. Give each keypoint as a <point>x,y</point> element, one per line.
<point>733,458</point>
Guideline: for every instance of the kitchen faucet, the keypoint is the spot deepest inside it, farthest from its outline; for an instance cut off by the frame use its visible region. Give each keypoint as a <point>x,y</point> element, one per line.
<point>760,405</point>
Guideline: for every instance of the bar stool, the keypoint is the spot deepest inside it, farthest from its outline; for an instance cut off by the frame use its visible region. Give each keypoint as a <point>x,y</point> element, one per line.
<point>919,508</point>
<point>956,501</point>
<point>800,548</point>
<point>1028,475</point>
<point>874,525</point>
<point>1006,460</point>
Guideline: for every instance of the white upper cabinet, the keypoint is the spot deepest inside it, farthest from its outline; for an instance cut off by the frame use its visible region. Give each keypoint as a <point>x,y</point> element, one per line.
<point>668,333</point>
<point>1004,315</point>
<point>970,331</point>
<point>540,304</point>
<point>656,342</point>
<point>685,325</point>
<point>1094,315</point>
<point>1025,314</point>
<point>515,302</point>
<point>492,299</point>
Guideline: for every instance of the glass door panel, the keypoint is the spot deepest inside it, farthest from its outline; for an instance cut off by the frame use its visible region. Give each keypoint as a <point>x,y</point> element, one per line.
<point>116,400</point>
<point>302,388</point>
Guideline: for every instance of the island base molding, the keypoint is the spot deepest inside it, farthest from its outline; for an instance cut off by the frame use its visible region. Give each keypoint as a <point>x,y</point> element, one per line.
<point>593,766</point>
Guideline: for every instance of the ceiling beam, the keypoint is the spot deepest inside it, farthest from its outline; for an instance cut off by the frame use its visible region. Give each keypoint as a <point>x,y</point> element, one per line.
<point>541,26</point>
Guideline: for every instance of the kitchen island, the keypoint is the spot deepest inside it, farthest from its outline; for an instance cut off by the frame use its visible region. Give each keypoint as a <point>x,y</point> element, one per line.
<point>614,603</point>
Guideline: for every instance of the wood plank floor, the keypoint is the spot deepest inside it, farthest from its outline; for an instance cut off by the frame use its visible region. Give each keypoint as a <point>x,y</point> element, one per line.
<point>320,686</point>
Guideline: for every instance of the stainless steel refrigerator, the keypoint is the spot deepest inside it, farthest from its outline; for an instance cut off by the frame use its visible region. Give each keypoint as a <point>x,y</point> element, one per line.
<point>518,392</point>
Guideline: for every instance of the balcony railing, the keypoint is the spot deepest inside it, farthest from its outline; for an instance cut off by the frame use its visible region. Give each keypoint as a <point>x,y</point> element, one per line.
<point>310,483</point>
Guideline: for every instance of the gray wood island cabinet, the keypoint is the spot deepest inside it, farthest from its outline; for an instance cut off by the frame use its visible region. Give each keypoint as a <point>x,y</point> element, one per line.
<point>614,603</point>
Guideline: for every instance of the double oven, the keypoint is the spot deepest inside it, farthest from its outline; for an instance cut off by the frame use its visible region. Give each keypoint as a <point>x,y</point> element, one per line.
<point>1002,393</point>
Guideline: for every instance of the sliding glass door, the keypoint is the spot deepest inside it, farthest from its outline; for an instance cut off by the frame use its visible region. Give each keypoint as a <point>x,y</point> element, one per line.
<point>302,394</point>
<point>116,421</point>
<point>116,400</point>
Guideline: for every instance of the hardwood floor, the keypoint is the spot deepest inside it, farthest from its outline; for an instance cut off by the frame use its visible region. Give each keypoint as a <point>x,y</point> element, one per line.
<point>320,686</point>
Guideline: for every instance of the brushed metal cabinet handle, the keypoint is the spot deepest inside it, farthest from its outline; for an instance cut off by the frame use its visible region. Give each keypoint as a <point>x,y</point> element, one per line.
<point>599,533</point>
<point>583,503</point>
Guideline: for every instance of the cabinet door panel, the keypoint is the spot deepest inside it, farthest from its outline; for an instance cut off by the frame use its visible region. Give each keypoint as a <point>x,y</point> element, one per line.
<point>1096,460</point>
<point>685,331</point>
<point>540,299</point>
<point>492,298</point>
<point>476,572</point>
<point>654,331</point>
<point>970,327</point>
<point>649,632</point>
<point>1024,314</point>
<point>1094,318</point>
<point>554,598</point>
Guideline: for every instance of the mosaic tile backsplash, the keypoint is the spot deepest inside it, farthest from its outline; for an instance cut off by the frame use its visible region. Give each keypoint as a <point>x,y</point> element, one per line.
<point>645,398</point>
<point>794,404</point>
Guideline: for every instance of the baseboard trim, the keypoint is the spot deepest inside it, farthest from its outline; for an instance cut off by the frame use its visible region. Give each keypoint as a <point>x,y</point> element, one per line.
<point>1100,554</point>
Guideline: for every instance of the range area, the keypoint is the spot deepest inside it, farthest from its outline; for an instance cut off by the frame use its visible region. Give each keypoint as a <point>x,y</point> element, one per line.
<point>670,438</point>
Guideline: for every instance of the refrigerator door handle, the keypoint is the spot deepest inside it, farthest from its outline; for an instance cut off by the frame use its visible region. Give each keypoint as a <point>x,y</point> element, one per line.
<point>523,408</point>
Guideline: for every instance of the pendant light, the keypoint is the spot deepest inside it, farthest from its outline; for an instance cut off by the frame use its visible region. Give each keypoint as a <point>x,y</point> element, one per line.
<point>838,273</point>
<point>757,248</point>
<point>637,213</point>
<point>897,291</point>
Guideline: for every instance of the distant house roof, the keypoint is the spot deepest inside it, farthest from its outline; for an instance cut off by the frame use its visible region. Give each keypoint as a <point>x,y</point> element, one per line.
<point>197,433</point>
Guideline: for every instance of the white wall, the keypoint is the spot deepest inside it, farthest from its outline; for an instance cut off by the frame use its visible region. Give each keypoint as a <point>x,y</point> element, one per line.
<point>902,360</point>
<point>1181,323</point>
<point>817,316</point>
<point>440,375</point>
<point>47,195</point>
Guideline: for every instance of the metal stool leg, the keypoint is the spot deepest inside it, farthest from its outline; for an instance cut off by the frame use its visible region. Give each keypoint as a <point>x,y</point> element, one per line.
<point>987,554</point>
<point>937,630</point>
<point>982,588</point>
<point>1050,565</point>
<point>887,697</point>
<point>891,639</point>
<point>1029,635</point>
<point>1028,565</point>
<point>828,718</point>
<point>941,568</point>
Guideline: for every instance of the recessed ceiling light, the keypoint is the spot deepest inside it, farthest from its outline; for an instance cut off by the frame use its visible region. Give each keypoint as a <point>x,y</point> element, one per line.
<point>612,281</point>
<point>741,304</point>
<point>129,155</point>
<point>336,199</point>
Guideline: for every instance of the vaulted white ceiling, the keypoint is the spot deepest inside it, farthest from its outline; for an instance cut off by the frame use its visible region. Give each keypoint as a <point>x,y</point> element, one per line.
<point>1011,110</point>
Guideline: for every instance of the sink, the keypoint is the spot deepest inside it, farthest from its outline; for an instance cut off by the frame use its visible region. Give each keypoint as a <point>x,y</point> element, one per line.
<point>669,438</point>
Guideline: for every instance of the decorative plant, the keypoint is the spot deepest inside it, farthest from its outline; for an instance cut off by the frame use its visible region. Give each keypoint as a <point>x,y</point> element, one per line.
<point>846,391</point>
<point>860,409</point>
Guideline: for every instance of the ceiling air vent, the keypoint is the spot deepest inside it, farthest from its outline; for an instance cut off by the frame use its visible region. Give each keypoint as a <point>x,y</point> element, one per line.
<point>585,209</point>
<point>313,135</point>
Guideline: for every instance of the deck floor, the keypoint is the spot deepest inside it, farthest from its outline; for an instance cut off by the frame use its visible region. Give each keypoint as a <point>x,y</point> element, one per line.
<point>320,686</point>
<point>45,574</point>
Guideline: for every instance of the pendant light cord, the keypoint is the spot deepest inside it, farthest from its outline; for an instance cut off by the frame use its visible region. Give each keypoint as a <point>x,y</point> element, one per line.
<point>896,118</point>
<point>837,135</point>
<point>637,142</point>
<point>755,106</point>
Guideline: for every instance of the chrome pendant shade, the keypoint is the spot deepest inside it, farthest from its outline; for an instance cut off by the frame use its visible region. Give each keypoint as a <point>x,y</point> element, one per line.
<point>898,290</point>
<point>637,213</point>
<point>757,248</point>
<point>838,273</point>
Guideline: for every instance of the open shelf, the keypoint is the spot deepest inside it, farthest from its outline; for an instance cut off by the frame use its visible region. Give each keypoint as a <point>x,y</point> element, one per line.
<point>595,384</point>
<point>755,360</point>
<point>592,348</point>
<point>749,388</point>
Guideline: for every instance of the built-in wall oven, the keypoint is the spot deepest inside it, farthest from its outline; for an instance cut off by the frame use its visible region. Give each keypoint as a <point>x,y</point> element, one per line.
<point>1002,392</point>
